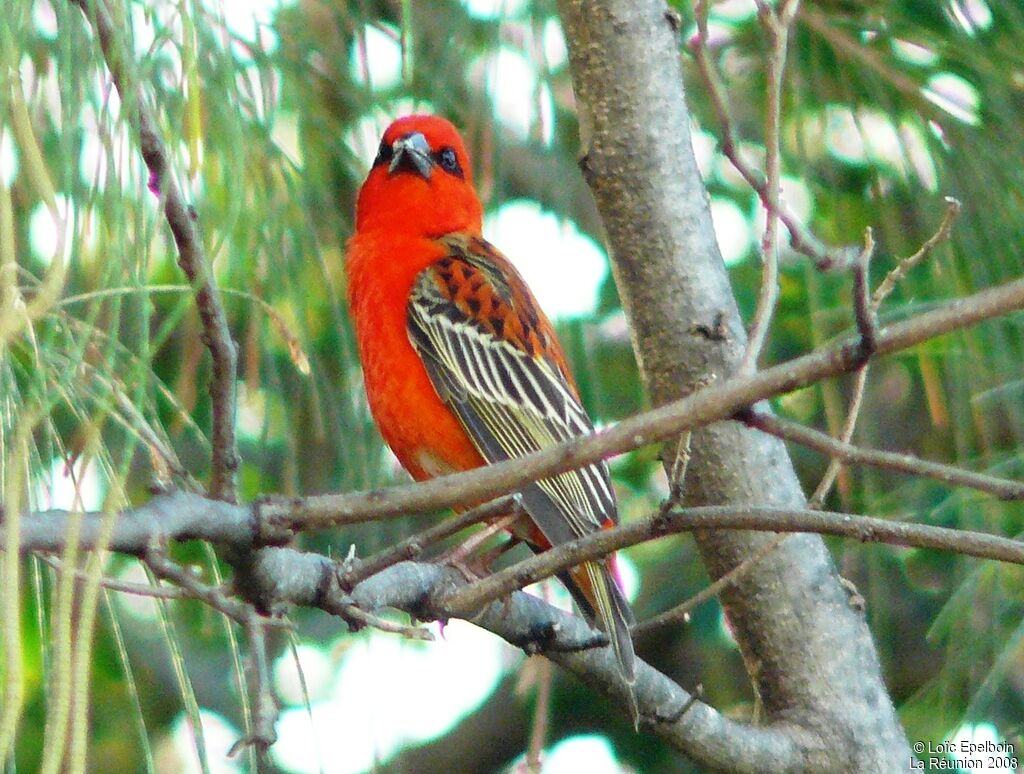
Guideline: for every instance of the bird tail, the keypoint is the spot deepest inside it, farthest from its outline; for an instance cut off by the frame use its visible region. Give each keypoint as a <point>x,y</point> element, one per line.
<point>599,597</point>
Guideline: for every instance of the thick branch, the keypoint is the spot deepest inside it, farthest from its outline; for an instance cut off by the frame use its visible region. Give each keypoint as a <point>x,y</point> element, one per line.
<point>279,577</point>
<point>175,516</point>
<point>530,623</point>
<point>184,516</point>
<point>191,256</point>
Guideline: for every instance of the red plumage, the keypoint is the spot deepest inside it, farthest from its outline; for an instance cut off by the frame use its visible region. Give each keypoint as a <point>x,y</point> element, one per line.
<point>461,366</point>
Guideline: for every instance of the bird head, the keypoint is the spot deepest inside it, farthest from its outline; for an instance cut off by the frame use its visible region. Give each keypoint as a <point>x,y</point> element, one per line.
<point>421,181</point>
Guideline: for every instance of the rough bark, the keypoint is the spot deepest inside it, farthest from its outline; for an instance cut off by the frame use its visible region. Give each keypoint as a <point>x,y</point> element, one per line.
<point>807,650</point>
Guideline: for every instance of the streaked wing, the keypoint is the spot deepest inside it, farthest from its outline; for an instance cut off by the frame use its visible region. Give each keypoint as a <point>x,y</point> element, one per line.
<point>491,356</point>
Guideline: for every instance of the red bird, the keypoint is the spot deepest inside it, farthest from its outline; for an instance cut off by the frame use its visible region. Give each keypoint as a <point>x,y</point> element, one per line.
<point>462,368</point>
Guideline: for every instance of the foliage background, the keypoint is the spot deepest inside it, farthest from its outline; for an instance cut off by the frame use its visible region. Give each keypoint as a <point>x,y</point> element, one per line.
<point>272,130</point>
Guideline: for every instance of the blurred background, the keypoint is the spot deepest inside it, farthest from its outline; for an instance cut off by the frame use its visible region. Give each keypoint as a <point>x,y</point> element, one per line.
<point>273,111</point>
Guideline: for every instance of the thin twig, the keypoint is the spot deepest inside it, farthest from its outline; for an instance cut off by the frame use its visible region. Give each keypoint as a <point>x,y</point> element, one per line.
<point>860,382</point>
<point>865,313</point>
<point>125,587</point>
<point>363,618</point>
<point>1004,489</point>
<point>191,256</point>
<point>677,471</point>
<point>885,287</point>
<point>264,717</point>
<point>262,734</point>
<point>471,598</point>
<point>776,27</point>
<point>905,265</point>
<point>213,596</point>
<point>675,715</point>
<point>681,612</point>
<point>412,547</point>
<point>799,238</point>
<point>541,715</point>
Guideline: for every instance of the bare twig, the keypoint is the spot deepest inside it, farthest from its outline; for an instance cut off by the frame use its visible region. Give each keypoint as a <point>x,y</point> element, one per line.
<point>776,27</point>
<point>869,313</point>
<point>191,256</point>
<point>214,596</point>
<point>905,265</point>
<point>262,734</point>
<point>412,547</point>
<point>864,312</point>
<point>681,612</point>
<point>677,471</point>
<point>353,614</point>
<point>466,600</point>
<point>1004,489</point>
<point>866,316</point>
<point>542,677</point>
<point>845,434</point>
<point>124,587</point>
<point>799,238</point>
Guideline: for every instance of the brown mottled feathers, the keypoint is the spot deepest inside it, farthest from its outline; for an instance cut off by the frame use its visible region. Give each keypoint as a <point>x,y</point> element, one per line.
<point>489,291</point>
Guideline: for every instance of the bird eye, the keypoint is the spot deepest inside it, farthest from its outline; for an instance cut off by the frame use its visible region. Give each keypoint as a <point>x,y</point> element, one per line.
<point>449,161</point>
<point>384,154</point>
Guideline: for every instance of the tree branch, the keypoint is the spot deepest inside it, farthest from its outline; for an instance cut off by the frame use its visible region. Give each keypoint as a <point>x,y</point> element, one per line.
<point>528,622</point>
<point>281,576</point>
<point>776,27</point>
<point>174,516</point>
<point>285,576</point>
<point>799,238</point>
<point>867,322</point>
<point>681,612</point>
<point>1004,489</point>
<point>866,529</point>
<point>191,256</point>
<point>721,400</point>
<point>272,521</point>
<point>295,577</point>
<point>413,546</point>
<point>809,655</point>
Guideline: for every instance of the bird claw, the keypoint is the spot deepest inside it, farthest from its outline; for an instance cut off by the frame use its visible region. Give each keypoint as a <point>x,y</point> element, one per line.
<point>478,568</point>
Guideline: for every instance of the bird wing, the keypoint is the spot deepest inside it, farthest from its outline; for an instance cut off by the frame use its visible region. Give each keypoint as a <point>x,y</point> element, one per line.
<point>492,357</point>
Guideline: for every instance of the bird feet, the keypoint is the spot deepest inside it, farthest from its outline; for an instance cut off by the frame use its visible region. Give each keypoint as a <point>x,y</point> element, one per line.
<point>476,567</point>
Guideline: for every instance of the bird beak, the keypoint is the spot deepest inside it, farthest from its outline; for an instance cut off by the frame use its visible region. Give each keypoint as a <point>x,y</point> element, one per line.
<point>412,153</point>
